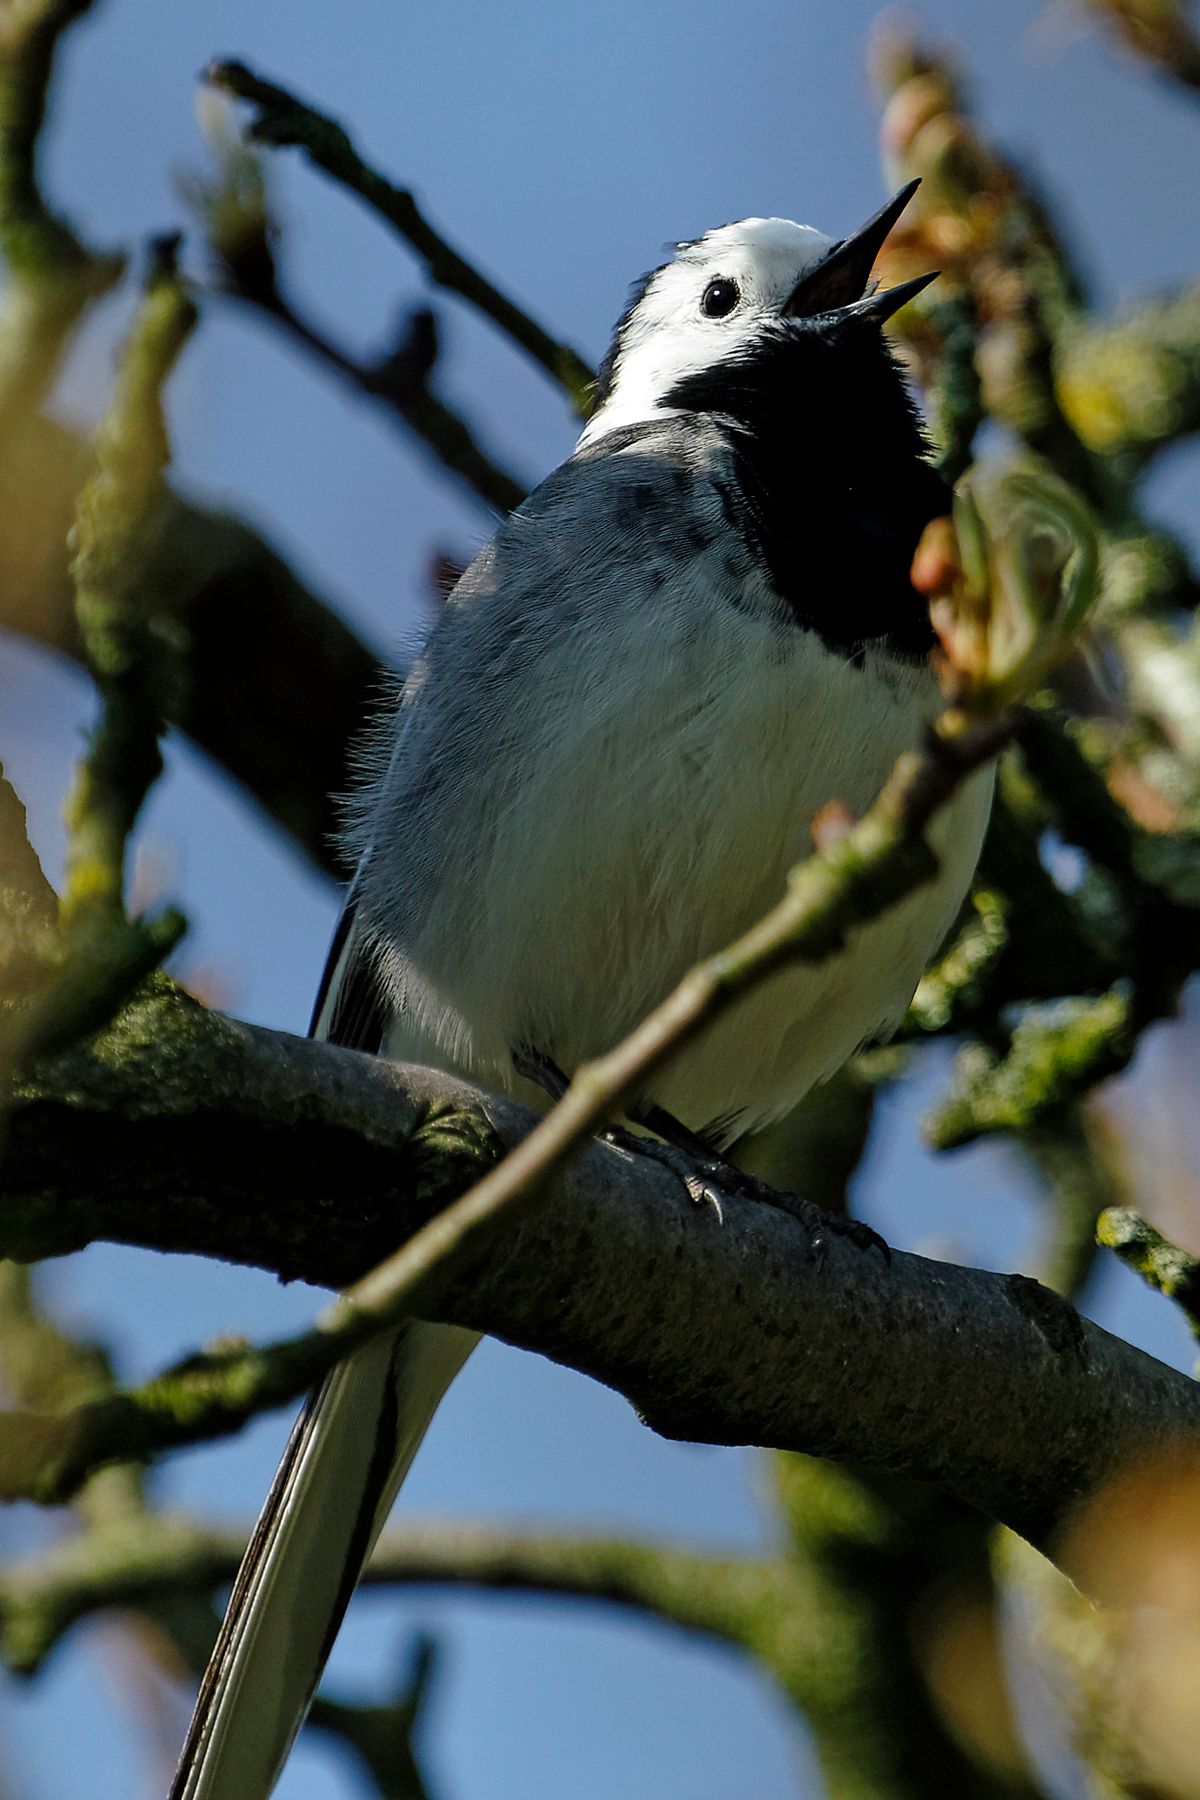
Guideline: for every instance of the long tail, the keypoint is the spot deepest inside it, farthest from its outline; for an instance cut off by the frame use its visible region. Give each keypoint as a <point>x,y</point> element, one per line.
<point>348,1453</point>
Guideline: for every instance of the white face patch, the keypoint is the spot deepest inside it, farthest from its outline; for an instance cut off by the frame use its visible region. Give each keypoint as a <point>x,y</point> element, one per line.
<point>669,335</point>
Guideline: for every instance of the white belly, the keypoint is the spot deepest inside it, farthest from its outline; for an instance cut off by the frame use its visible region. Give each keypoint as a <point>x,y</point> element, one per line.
<point>613,854</point>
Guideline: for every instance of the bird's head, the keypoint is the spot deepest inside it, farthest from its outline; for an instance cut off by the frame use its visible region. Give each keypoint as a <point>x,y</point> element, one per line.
<point>738,306</point>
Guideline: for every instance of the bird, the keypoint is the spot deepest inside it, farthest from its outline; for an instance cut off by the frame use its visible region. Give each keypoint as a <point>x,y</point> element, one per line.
<point>698,630</point>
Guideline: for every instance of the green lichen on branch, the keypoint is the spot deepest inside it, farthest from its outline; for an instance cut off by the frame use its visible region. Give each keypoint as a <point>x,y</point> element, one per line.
<point>133,654</point>
<point>277,683</point>
<point>798,1611</point>
<point>1132,389</point>
<point>47,1456</point>
<point>1163,1265</point>
<point>1039,360</point>
<point>135,658</point>
<point>1129,933</point>
<point>281,119</point>
<point>1055,1054</point>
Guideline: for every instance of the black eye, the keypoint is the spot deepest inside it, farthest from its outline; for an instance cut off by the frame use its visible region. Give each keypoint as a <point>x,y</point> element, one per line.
<point>719,298</point>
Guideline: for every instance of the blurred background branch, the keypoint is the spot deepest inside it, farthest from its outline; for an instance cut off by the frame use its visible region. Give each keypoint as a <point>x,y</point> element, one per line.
<point>1161,32</point>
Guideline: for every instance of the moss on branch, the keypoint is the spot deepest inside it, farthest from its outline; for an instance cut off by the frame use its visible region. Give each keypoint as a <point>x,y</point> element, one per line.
<point>1055,1054</point>
<point>794,1610</point>
<point>101,954</point>
<point>181,1130</point>
<point>1174,1271</point>
<point>1132,389</point>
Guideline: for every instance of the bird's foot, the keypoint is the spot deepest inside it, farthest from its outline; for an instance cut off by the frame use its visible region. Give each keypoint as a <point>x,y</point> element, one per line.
<point>695,1174</point>
<point>710,1179</point>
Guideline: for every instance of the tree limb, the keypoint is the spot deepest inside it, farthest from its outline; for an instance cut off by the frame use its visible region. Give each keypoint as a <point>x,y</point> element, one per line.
<point>400,383</point>
<point>184,1131</point>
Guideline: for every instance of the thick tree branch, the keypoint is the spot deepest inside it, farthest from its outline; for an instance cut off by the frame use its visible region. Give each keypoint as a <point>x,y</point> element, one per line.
<point>184,1131</point>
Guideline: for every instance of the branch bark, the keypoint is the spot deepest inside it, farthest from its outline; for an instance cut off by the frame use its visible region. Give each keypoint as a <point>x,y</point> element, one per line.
<point>184,1131</point>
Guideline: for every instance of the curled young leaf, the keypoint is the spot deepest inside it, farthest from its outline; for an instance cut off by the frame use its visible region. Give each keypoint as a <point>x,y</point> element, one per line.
<point>1012,591</point>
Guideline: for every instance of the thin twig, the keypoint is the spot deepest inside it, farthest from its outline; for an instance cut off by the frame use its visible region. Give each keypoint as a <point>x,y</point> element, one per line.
<point>399,383</point>
<point>234,211</point>
<point>282,119</point>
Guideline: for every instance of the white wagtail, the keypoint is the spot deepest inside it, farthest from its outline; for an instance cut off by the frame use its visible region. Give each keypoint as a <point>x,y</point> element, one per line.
<point>697,631</point>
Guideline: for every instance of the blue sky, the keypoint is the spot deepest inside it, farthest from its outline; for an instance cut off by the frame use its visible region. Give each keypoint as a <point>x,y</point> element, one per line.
<point>562,147</point>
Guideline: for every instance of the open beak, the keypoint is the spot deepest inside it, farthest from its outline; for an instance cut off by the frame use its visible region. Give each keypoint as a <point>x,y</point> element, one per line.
<point>838,284</point>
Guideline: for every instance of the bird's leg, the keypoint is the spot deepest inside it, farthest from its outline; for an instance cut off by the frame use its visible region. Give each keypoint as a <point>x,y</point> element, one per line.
<point>545,1073</point>
<point>541,1070</point>
<point>716,1170</point>
<point>705,1174</point>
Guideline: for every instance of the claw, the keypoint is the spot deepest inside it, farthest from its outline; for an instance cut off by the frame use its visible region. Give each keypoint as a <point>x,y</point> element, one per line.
<point>707,1180</point>
<point>703,1193</point>
<point>695,1177</point>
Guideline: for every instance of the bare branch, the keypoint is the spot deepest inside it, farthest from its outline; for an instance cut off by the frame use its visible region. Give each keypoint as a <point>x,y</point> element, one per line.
<point>282,119</point>
<point>183,1131</point>
<point>141,1559</point>
<point>400,383</point>
<point>382,1736</point>
<point>844,1585</point>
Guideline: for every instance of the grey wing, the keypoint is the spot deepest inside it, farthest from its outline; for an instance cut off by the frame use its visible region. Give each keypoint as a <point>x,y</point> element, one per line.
<point>570,644</point>
<point>577,598</point>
